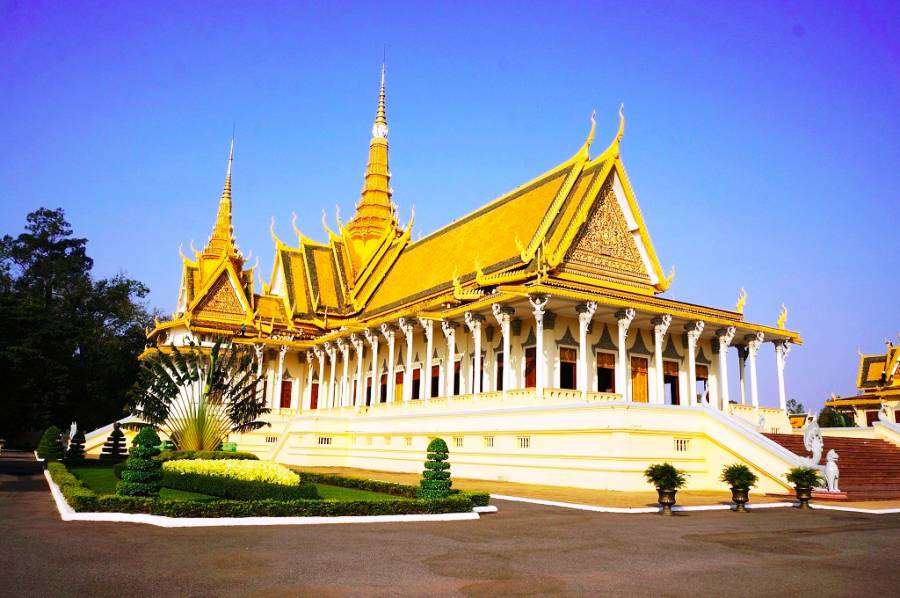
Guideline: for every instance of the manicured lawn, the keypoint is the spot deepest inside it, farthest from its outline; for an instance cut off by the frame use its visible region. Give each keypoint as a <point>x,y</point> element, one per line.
<point>102,480</point>
<point>339,493</point>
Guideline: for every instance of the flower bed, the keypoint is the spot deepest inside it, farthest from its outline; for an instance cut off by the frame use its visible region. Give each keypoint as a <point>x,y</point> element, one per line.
<point>82,499</point>
<point>479,499</point>
<point>176,455</point>
<point>248,471</point>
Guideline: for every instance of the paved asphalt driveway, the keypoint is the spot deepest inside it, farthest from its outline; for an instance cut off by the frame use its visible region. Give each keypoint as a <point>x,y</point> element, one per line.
<point>523,549</point>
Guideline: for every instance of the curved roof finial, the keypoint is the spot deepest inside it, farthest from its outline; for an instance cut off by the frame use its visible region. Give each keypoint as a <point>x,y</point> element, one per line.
<point>621,130</point>
<point>590,137</point>
<point>272,232</point>
<point>294,226</point>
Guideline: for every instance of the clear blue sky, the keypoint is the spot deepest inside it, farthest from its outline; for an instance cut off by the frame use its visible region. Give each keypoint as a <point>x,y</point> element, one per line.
<point>762,139</point>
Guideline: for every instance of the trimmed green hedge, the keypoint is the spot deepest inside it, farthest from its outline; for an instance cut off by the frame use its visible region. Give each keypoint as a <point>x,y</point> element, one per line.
<point>82,499</point>
<point>479,499</point>
<point>238,489</point>
<point>178,455</point>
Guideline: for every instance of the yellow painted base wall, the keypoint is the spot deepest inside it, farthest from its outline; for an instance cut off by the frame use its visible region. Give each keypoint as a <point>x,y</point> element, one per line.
<point>601,445</point>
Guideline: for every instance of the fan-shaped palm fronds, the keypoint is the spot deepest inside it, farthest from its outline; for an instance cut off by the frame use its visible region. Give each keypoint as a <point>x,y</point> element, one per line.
<point>199,395</point>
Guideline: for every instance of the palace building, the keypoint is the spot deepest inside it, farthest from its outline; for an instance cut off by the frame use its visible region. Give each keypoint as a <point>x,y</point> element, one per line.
<point>878,383</point>
<point>533,334</point>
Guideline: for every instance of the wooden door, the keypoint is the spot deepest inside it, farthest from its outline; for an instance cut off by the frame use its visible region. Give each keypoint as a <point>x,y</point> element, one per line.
<point>530,367</point>
<point>640,383</point>
<point>314,396</point>
<point>398,386</point>
<point>286,387</point>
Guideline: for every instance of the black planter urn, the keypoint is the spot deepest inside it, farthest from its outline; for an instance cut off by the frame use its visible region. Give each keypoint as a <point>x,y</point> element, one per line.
<point>803,495</point>
<point>666,500</point>
<point>740,497</point>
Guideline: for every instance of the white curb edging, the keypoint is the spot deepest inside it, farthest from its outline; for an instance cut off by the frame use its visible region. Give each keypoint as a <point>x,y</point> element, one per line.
<point>67,513</point>
<point>633,510</point>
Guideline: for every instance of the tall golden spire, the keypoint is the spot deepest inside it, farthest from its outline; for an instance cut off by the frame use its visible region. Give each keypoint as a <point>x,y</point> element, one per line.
<point>221,241</point>
<point>375,212</point>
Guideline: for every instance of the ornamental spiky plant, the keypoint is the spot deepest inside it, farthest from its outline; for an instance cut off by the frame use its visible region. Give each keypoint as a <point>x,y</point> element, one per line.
<point>199,395</point>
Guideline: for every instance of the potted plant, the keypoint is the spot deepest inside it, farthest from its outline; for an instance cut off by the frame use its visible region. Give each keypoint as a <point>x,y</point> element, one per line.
<point>739,477</point>
<point>667,481</point>
<point>804,480</point>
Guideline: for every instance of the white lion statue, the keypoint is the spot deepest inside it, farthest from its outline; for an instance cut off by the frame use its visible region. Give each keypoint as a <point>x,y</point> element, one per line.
<point>831,471</point>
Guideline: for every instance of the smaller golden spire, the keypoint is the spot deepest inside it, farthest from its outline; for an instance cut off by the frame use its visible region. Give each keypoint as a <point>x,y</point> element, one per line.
<point>221,241</point>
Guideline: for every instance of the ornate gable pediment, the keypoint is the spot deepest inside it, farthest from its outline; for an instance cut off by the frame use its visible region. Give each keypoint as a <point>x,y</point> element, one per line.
<point>221,301</point>
<point>605,246</point>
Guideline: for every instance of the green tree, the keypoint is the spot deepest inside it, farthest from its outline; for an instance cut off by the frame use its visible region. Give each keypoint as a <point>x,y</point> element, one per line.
<point>830,417</point>
<point>69,343</point>
<point>50,447</point>
<point>75,452</point>
<point>143,474</point>
<point>436,481</point>
<point>794,407</point>
<point>114,447</point>
<point>199,395</point>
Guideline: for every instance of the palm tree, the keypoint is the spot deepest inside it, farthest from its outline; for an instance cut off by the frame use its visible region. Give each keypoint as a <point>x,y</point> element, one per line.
<point>200,395</point>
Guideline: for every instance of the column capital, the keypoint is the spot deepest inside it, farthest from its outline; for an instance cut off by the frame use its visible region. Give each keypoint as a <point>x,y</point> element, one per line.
<point>427,326</point>
<point>309,356</point>
<point>694,329</point>
<point>660,327</point>
<point>538,303</point>
<point>448,327</point>
<point>357,341</point>
<point>587,308</point>
<point>725,336</point>
<point>342,344</point>
<point>502,313</point>
<point>753,342</point>
<point>388,330</point>
<point>282,350</point>
<point>473,321</point>
<point>371,336</point>
<point>783,347</point>
<point>259,348</point>
<point>406,324</point>
<point>625,314</point>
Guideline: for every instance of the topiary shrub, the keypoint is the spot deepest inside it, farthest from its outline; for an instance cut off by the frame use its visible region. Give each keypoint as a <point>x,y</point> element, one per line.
<point>436,482</point>
<point>50,447</point>
<point>75,453</point>
<point>114,448</point>
<point>143,474</point>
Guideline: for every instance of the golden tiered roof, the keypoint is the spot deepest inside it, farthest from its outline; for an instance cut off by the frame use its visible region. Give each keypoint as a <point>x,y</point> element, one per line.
<point>575,231</point>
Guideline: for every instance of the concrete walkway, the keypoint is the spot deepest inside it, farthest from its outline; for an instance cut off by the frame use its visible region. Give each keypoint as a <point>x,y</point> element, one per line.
<point>522,550</point>
<point>599,498</point>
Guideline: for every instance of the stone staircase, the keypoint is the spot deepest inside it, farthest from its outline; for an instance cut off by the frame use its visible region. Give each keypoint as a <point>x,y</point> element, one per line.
<point>869,468</point>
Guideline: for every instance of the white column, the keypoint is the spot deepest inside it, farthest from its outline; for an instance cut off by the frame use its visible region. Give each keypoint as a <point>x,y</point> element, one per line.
<point>474,322</point>
<point>693,330</point>
<point>372,337</point>
<point>331,351</point>
<point>623,318</point>
<point>322,401</point>
<point>753,343</point>
<point>344,346</point>
<point>449,329</point>
<point>360,399</point>
<point>742,373</point>
<point>538,305</point>
<point>782,348</point>
<point>390,334</point>
<point>260,356</point>
<point>724,336</point>
<point>307,392</point>
<point>585,315</point>
<point>660,327</point>
<point>425,386</point>
<point>276,397</point>
<point>407,325</point>
<point>502,315</point>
